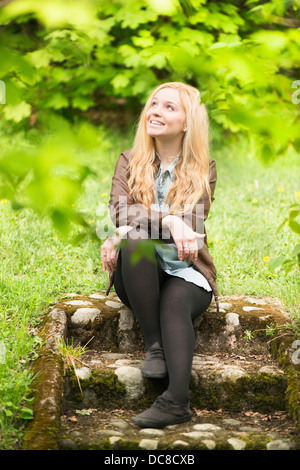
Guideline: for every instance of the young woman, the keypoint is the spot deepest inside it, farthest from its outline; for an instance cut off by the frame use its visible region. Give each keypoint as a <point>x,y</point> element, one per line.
<point>162,189</point>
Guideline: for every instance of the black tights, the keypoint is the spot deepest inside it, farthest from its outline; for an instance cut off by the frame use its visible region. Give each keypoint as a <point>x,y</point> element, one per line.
<point>165,307</point>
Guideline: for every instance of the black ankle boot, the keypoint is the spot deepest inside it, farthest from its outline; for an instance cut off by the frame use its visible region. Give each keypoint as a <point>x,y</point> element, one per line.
<point>154,366</point>
<point>163,412</point>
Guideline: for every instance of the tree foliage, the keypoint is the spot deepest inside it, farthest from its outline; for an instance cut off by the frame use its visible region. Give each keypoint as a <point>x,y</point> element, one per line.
<point>71,59</point>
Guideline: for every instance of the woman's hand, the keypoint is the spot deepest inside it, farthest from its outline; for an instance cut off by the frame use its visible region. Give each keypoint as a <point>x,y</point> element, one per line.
<point>184,237</point>
<point>109,252</point>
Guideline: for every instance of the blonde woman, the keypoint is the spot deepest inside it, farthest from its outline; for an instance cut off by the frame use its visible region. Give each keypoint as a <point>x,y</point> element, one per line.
<point>162,189</point>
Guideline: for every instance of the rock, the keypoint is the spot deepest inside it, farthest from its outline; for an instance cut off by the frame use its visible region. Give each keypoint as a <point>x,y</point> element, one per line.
<point>225,305</point>
<point>207,427</point>
<point>111,303</point>
<point>82,316</point>
<point>228,372</point>
<point>97,296</point>
<point>271,370</point>
<point>78,302</point>
<point>83,373</point>
<point>152,432</point>
<point>180,444</point>
<point>132,379</point>
<point>114,439</point>
<point>250,300</point>
<point>126,319</point>
<point>198,434</point>
<point>109,432</point>
<point>237,444</point>
<point>252,429</point>
<point>67,444</point>
<point>148,444</point>
<point>119,423</point>
<point>232,319</point>
<point>231,422</point>
<point>113,356</point>
<point>204,360</point>
<point>249,309</point>
<point>278,444</point>
<point>209,443</point>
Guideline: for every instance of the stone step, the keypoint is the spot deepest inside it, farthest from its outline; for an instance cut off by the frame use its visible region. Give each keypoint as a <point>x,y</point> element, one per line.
<point>106,323</point>
<point>241,396</point>
<point>93,428</point>
<point>221,380</point>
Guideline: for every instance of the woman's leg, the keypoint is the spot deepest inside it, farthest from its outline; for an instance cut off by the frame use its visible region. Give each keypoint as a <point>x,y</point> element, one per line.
<point>138,287</point>
<point>180,303</point>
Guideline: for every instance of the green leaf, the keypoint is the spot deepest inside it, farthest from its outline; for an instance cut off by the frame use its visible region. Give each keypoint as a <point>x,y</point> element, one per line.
<point>120,81</point>
<point>26,413</point>
<point>82,102</point>
<point>17,112</point>
<point>57,100</point>
<point>294,226</point>
<point>277,262</point>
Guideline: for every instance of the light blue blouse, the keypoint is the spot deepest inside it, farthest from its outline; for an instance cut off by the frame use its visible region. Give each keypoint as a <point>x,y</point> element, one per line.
<point>167,252</point>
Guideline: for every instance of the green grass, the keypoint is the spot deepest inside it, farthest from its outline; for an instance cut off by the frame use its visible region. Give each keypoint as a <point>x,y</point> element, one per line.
<point>37,266</point>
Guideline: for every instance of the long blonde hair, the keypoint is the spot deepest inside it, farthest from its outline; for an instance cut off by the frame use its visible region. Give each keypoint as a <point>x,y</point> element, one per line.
<point>192,168</point>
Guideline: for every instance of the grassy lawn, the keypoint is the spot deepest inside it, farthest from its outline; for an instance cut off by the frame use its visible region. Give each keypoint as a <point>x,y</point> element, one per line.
<point>251,201</point>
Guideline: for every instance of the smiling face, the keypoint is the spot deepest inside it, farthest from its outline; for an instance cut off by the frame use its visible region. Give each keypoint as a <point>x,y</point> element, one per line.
<point>166,117</point>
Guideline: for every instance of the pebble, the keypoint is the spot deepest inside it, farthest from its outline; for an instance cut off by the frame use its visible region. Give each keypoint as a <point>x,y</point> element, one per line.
<point>78,302</point>
<point>180,443</point>
<point>237,444</point>
<point>110,432</point>
<point>249,309</point>
<point>148,444</point>
<point>114,439</point>
<point>278,444</point>
<point>255,301</point>
<point>231,422</point>
<point>209,443</point>
<point>152,432</point>
<point>97,296</point>
<point>111,303</point>
<point>207,427</point>
<point>198,434</point>
<point>225,305</point>
<point>119,423</point>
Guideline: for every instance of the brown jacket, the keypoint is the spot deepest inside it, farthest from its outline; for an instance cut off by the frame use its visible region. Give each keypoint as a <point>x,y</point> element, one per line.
<point>120,215</point>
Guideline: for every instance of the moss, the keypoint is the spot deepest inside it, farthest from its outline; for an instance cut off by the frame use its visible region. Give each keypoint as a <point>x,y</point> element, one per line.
<point>108,390</point>
<point>43,430</point>
<point>282,349</point>
<point>262,392</point>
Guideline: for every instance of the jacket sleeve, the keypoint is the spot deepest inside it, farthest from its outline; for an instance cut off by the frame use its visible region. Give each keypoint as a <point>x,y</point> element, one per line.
<point>124,210</point>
